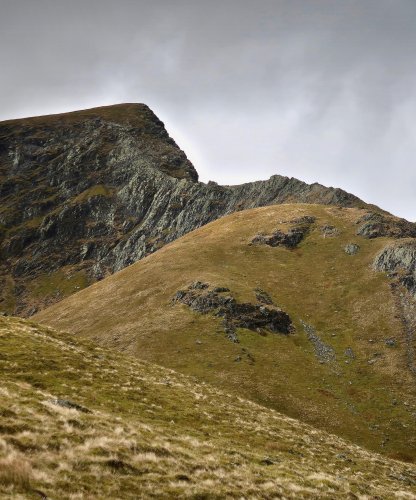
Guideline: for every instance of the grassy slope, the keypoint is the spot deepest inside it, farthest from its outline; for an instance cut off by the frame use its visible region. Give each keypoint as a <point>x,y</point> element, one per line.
<point>370,399</point>
<point>152,433</point>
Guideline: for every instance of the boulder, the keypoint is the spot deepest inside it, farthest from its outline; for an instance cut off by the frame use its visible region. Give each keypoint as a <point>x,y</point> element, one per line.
<point>351,248</point>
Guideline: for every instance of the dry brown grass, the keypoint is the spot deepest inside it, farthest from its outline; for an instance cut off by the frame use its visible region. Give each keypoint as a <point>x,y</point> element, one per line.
<point>153,433</point>
<point>15,470</point>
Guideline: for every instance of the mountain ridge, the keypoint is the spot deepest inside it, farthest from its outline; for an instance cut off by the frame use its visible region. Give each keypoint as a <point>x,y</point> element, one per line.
<point>83,194</point>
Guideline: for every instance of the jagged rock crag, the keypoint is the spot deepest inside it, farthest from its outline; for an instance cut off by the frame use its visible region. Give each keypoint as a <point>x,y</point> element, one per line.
<point>85,194</point>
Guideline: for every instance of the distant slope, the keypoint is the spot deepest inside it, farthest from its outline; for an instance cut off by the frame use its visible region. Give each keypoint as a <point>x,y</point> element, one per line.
<point>87,193</point>
<point>348,366</point>
<point>80,422</point>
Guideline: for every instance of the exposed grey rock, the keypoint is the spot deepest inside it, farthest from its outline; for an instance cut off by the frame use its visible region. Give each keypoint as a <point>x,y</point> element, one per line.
<point>390,342</point>
<point>406,307</point>
<point>324,352</point>
<point>198,285</point>
<point>399,260</point>
<point>263,296</point>
<point>351,248</point>
<point>375,225</point>
<point>290,240</point>
<point>230,331</point>
<point>349,353</point>
<point>258,318</point>
<point>64,403</point>
<point>329,231</point>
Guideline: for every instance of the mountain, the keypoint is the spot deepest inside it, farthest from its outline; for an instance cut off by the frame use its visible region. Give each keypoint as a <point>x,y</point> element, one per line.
<point>303,308</point>
<point>78,421</point>
<point>85,194</point>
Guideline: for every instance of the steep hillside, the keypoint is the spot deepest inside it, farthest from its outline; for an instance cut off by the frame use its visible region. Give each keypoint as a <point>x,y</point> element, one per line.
<point>87,193</point>
<point>289,306</point>
<point>81,422</point>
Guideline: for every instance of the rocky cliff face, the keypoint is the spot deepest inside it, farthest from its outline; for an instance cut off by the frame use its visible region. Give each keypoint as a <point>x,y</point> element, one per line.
<point>87,193</point>
<point>398,260</point>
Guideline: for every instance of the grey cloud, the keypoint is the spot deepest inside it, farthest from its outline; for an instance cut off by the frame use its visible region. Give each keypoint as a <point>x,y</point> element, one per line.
<point>319,90</point>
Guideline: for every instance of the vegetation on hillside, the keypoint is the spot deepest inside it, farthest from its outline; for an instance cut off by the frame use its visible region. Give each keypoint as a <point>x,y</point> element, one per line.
<point>344,368</point>
<point>78,421</point>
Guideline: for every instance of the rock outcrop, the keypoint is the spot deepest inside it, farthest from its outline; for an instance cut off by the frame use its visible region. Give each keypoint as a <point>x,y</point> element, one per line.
<point>85,194</point>
<point>399,261</point>
<point>203,298</point>
<point>376,225</point>
<point>351,249</point>
<point>329,231</point>
<point>291,239</point>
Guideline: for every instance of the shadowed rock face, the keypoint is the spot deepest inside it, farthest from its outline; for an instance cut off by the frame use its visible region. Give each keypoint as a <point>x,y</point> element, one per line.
<point>85,194</point>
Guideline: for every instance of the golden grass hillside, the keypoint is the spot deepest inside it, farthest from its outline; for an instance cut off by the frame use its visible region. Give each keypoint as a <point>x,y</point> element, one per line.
<point>363,390</point>
<point>80,422</point>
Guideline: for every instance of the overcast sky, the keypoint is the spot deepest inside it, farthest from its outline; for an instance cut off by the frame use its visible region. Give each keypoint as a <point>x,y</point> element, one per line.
<point>320,90</point>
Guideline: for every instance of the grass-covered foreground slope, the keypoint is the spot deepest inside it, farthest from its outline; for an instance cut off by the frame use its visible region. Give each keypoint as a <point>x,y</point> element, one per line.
<point>80,422</point>
<point>344,368</point>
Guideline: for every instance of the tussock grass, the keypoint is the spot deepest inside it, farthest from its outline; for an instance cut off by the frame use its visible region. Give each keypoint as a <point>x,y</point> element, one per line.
<point>15,470</point>
<point>153,433</point>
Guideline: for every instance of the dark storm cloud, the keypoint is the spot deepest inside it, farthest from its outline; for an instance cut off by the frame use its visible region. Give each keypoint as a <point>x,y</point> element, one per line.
<point>320,90</point>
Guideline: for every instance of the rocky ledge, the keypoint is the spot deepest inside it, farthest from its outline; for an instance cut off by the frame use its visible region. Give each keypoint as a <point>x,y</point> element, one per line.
<point>204,298</point>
